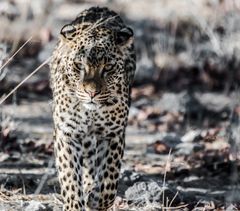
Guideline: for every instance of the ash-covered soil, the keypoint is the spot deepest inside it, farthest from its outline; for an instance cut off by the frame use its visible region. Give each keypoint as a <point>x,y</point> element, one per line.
<point>182,142</point>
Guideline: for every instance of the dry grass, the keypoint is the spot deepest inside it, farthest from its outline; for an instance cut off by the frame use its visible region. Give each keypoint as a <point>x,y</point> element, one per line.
<point>16,196</point>
<point>24,80</point>
<point>17,51</point>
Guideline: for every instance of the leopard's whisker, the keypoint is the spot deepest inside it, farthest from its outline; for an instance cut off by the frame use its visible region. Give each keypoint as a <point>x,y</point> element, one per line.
<point>103,96</point>
<point>69,93</point>
<point>75,106</point>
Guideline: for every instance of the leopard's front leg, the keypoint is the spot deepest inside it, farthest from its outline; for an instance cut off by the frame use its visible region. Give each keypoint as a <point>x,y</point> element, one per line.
<point>68,153</point>
<point>108,163</point>
<point>75,161</point>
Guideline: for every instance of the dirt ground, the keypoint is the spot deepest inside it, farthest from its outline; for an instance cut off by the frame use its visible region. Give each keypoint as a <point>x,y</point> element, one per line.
<point>182,140</point>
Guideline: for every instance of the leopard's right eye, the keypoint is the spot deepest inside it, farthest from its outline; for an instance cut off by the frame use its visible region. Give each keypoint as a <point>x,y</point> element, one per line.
<point>78,66</point>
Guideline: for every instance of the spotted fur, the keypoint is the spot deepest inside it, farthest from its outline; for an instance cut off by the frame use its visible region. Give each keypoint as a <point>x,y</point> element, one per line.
<point>92,70</point>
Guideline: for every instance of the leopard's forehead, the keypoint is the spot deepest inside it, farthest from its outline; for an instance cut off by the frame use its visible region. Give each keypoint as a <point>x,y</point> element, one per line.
<point>94,45</point>
<point>92,41</point>
<point>93,36</point>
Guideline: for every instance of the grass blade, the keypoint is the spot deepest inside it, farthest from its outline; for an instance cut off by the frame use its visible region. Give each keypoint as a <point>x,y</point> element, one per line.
<point>22,46</point>
<point>25,79</point>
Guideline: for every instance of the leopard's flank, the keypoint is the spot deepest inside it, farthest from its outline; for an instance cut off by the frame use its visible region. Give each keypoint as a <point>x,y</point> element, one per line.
<point>92,70</point>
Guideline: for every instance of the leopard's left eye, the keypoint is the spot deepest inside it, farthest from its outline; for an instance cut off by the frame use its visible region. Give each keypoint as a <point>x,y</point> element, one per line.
<point>108,66</point>
<point>107,69</point>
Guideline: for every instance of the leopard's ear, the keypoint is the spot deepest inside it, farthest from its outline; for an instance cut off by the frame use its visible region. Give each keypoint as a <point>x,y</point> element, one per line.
<point>67,31</point>
<point>123,36</point>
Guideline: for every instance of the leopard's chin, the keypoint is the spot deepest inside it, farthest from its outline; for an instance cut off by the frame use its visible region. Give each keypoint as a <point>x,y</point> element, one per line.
<point>94,105</point>
<point>91,106</point>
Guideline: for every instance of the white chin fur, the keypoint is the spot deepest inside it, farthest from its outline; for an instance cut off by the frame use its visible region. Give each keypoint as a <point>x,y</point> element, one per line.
<point>90,106</point>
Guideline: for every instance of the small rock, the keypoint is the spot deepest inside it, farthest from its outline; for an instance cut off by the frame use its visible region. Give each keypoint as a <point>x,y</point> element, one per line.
<point>214,102</point>
<point>191,136</point>
<point>143,193</point>
<point>130,177</point>
<point>34,206</point>
<point>161,148</point>
<point>172,140</point>
<point>188,148</point>
<point>191,178</point>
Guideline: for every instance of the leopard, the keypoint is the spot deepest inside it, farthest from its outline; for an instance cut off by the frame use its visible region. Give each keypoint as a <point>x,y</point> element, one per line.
<point>91,75</point>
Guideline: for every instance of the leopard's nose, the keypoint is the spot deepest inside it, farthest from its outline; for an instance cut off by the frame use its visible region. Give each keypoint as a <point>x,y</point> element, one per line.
<point>92,94</point>
<point>91,87</point>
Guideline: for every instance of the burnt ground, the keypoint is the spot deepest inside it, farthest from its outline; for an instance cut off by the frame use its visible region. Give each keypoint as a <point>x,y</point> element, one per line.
<point>182,142</point>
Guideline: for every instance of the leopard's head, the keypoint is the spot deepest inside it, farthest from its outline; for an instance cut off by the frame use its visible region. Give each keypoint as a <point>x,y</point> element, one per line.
<point>95,59</point>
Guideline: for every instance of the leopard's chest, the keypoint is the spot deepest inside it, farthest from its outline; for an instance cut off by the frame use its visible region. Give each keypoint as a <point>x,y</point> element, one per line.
<point>80,121</point>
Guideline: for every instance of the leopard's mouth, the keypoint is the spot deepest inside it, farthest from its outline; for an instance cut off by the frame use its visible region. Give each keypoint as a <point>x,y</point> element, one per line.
<point>93,104</point>
<point>90,105</point>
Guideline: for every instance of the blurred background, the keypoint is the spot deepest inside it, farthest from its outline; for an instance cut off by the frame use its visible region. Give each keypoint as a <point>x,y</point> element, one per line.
<point>183,135</point>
